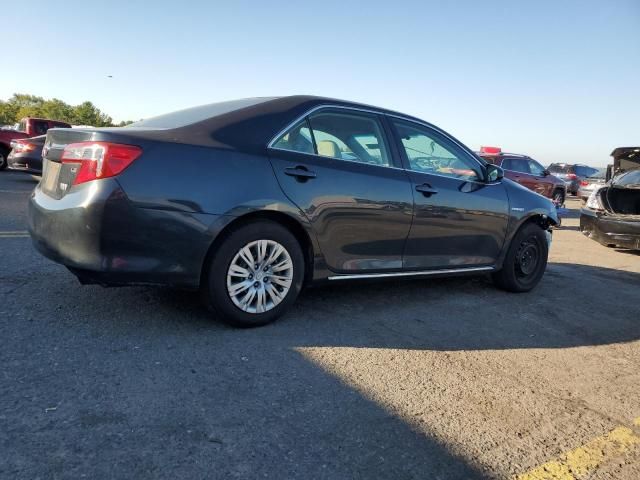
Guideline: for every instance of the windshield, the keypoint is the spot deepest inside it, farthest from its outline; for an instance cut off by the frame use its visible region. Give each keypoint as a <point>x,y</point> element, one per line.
<point>188,116</point>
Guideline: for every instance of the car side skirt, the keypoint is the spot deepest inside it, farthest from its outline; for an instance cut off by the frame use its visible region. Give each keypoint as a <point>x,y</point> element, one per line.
<point>447,271</point>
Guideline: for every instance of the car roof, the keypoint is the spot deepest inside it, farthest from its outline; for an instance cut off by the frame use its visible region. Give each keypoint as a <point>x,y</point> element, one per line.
<point>251,127</point>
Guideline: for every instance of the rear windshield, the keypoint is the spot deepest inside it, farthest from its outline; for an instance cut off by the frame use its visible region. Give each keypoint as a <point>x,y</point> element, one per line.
<point>182,118</point>
<point>629,179</point>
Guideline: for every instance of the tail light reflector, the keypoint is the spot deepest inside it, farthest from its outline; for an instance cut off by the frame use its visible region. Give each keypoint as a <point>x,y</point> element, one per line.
<point>99,159</point>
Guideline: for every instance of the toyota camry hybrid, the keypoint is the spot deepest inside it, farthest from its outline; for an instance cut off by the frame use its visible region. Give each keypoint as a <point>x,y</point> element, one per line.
<point>251,200</point>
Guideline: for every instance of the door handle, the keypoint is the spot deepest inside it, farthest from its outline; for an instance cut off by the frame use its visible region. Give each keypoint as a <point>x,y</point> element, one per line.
<point>300,172</point>
<point>426,189</point>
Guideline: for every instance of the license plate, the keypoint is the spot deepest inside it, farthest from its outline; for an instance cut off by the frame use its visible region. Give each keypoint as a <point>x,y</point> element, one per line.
<point>51,176</point>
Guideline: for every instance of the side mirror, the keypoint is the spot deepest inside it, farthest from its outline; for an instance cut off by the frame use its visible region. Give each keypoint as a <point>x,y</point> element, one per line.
<point>546,173</point>
<point>494,173</point>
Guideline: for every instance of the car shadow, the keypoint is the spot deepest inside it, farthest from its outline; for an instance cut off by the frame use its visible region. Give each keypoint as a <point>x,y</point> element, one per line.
<point>466,313</point>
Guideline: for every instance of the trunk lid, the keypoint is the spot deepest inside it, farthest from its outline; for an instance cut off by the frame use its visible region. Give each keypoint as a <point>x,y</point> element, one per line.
<point>57,177</point>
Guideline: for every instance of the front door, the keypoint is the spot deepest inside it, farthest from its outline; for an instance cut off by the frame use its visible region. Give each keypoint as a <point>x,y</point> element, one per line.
<point>337,167</point>
<point>459,220</point>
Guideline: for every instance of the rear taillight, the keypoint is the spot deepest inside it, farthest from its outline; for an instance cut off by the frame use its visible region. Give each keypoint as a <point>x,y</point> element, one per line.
<point>23,147</point>
<point>584,183</point>
<point>571,176</point>
<point>99,159</point>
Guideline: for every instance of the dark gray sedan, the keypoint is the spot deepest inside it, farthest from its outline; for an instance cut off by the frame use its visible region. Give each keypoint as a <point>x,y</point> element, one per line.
<point>26,155</point>
<point>250,200</point>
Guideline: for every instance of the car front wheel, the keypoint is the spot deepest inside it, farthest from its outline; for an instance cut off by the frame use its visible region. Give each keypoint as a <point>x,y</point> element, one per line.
<point>526,260</point>
<point>255,275</point>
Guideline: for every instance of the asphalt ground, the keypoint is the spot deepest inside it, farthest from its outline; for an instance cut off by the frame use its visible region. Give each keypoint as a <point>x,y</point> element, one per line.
<point>429,379</point>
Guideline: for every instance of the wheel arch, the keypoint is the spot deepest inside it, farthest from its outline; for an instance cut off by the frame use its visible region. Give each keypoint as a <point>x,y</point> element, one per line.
<point>286,220</point>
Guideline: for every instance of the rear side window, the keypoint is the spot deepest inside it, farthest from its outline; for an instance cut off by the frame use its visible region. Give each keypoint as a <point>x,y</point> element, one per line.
<point>40,127</point>
<point>356,137</point>
<point>297,139</point>
<point>516,165</point>
<point>555,168</point>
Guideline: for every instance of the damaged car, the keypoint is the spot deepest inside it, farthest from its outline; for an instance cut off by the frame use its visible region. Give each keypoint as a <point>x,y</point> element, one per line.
<point>611,215</point>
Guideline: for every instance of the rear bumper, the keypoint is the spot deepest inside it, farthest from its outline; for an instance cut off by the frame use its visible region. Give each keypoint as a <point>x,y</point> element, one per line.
<point>24,163</point>
<point>611,230</point>
<point>97,233</point>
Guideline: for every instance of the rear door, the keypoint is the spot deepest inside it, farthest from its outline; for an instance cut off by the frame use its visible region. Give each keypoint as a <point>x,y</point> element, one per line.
<point>338,167</point>
<point>459,220</point>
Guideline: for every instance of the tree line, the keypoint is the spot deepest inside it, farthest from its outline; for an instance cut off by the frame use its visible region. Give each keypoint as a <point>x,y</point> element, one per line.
<point>21,105</point>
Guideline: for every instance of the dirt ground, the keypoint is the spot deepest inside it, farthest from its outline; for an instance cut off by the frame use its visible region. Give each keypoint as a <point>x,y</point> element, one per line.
<point>435,379</point>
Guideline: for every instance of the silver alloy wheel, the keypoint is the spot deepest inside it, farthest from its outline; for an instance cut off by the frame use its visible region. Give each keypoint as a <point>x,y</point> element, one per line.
<point>3,159</point>
<point>259,276</point>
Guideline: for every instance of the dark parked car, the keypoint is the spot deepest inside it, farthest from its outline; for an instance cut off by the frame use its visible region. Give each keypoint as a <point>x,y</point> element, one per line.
<point>250,200</point>
<point>26,154</point>
<point>611,215</point>
<point>527,172</point>
<point>25,128</point>
<point>571,174</point>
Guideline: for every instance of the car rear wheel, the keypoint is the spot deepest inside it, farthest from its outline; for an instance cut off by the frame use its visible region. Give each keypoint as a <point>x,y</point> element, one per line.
<point>526,260</point>
<point>3,158</point>
<point>255,274</point>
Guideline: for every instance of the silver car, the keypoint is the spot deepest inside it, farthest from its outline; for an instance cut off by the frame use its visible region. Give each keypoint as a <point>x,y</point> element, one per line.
<point>590,183</point>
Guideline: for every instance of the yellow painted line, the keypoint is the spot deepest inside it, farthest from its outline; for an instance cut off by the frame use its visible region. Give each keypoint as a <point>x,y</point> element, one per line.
<point>582,461</point>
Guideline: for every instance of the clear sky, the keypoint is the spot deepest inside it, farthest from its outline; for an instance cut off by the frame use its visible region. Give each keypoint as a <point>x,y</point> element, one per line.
<point>558,80</point>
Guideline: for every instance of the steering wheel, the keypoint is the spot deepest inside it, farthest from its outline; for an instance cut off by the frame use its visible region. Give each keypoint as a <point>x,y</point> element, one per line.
<point>426,163</point>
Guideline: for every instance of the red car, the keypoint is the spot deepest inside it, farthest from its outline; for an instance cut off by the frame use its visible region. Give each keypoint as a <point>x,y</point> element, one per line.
<point>527,172</point>
<point>27,127</point>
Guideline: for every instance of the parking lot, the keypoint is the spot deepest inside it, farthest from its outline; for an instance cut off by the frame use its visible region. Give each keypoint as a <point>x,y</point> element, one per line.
<point>430,379</point>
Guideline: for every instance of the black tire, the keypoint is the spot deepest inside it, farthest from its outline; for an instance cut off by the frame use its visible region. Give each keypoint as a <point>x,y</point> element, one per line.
<point>214,291</point>
<point>3,158</point>
<point>558,197</point>
<point>526,260</point>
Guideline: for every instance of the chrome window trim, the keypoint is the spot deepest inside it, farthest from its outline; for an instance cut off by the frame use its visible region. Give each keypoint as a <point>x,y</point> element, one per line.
<point>338,159</point>
<point>409,273</point>
<point>301,117</point>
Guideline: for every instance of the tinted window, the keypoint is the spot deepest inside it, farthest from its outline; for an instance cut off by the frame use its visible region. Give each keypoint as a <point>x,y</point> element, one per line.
<point>535,168</point>
<point>356,137</point>
<point>197,114</point>
<point>40,128</point>
<point>297,139</point>
<point>430,152</point>
<point>516,165</point>
<point>585,171</point>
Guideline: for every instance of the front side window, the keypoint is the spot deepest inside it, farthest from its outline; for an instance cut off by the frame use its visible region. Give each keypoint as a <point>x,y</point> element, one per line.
<point>536,168</point>
<point>356,137</point>
<point>430,152</point>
